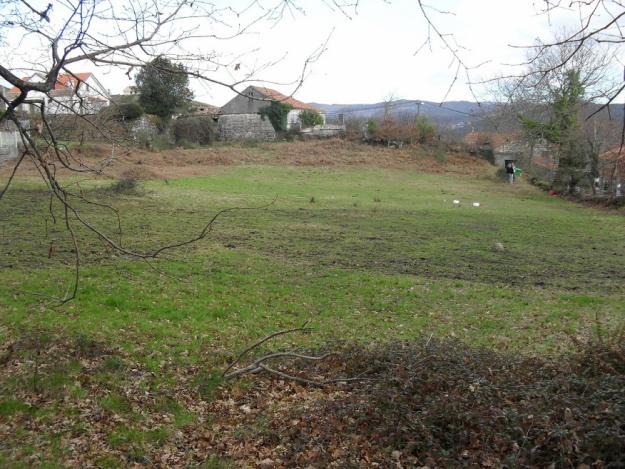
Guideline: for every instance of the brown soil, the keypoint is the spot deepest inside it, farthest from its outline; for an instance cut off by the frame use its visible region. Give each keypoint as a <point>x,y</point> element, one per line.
<point>169,164</point>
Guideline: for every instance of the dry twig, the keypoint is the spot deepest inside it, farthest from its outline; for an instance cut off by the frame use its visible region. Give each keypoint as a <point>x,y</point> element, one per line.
<point>259,365</point>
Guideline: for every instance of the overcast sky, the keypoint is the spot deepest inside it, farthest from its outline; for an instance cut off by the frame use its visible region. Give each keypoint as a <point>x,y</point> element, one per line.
<point>371,55</point>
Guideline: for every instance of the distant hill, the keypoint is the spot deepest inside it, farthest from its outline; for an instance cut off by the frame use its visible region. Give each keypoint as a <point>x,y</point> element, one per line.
<point>454,113</point>
<point>461,115</point>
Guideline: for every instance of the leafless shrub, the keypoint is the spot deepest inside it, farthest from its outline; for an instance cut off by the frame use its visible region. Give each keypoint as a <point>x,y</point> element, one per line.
<point>127,184</point>
<point>198,130</point>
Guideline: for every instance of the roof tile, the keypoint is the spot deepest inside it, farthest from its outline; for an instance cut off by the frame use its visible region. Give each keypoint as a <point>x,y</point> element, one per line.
<point>277,96</point>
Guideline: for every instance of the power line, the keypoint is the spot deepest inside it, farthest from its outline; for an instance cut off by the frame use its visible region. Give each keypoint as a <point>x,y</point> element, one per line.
<point>397,104</point>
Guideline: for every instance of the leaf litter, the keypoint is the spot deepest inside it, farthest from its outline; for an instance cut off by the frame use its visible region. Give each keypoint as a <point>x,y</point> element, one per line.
<point>425,403</point>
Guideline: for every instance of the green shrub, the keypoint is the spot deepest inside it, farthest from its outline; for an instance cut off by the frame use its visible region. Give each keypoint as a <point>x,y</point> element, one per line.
<point>151,141</point>
<point>161,142</point>
<point>127,184</point>
<point>310,118</point>
<point>372,127</point>
<point>425,130</point>
<point>440,155</point>
<point>187,145</point>
<point>544,185</point>
<point>143,138</point>
<point>277,113</point>
<point>130,110</point>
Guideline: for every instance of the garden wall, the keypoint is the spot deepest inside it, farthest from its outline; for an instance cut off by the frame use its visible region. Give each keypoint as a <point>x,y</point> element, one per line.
<point>245,127</point>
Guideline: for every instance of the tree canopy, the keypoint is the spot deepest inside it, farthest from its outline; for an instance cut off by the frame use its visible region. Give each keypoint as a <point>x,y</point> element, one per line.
<point>163,87</point>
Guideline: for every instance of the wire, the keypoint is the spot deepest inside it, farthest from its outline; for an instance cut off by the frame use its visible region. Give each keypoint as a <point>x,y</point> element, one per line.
<point>394,104</point>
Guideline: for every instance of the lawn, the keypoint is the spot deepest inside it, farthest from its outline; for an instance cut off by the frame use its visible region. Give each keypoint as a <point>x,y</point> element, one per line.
<point>366,254</point>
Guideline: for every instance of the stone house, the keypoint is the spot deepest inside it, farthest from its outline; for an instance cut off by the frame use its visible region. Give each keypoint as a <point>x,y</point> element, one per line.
<point>240,118</point>
<point>79,93</point>
<point>485,143</point>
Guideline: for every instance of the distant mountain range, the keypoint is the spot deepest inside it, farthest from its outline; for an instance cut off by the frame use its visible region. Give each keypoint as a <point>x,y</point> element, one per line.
<point>453,113</point>
<point>460,115</point>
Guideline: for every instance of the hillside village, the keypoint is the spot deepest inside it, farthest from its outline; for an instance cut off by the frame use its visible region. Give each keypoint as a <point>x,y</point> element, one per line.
<point>312,234</point>
<point>81,95</point>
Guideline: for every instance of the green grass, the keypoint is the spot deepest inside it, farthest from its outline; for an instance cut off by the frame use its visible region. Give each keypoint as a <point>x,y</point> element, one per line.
<point>401,266</point>
<point>380,255</point>
<point>403,261</point>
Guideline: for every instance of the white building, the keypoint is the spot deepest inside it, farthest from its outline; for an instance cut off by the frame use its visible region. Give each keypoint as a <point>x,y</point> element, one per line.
<point>75,93</point>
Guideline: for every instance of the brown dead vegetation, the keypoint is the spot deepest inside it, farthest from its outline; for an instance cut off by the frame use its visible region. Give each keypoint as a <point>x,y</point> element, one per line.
<point>427,403</point>
<point>178,162</point>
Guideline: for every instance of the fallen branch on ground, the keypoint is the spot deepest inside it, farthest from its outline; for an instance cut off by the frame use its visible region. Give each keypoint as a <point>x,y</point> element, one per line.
<point>259,365</point>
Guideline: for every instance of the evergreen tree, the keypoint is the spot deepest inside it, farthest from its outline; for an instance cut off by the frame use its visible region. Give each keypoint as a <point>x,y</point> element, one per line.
<point>163,87</point>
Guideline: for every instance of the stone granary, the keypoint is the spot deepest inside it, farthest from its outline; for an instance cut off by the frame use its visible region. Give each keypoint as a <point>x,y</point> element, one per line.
<point>240,118</point>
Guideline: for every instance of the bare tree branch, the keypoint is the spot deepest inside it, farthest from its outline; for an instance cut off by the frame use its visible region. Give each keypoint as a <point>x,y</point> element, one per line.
<point>130,35</point>
<point>258,365</point>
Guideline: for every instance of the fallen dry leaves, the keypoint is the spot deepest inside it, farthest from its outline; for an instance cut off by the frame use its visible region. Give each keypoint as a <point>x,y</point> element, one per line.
<point>439,404</point>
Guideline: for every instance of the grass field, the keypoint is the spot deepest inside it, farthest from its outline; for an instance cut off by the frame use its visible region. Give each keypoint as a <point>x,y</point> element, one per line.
<point>366,254</point>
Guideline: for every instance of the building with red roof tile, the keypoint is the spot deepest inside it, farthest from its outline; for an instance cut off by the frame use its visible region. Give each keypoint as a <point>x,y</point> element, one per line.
<point>253,98</point>
<point>72,93</point>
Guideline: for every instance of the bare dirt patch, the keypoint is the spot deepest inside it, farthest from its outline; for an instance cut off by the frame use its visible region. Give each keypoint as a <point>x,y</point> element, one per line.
<point>206,161</point>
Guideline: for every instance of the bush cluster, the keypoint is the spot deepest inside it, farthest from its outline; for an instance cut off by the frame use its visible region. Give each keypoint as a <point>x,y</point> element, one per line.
<point>199,130</point>
<point>309,118</point>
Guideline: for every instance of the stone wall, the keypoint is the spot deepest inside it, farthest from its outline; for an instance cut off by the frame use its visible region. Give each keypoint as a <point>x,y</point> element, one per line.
<point>142,124</point>
<point>93,128</point>
<point>103,128</point>
<point>324,131</point>
<point>245,127</point>
<point>9,141</point>
<point>541,160</point>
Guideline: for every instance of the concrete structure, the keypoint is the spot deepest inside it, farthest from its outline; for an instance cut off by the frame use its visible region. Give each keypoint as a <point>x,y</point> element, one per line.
<point>254,98</point>
<point>3,93</point>
<point>323,131</point>
<point>541,158</point>
<point>79,93</point>
<point>484,143</point>
<point>198,108</point>
<point>9,141</point>
<point>245,127</point>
